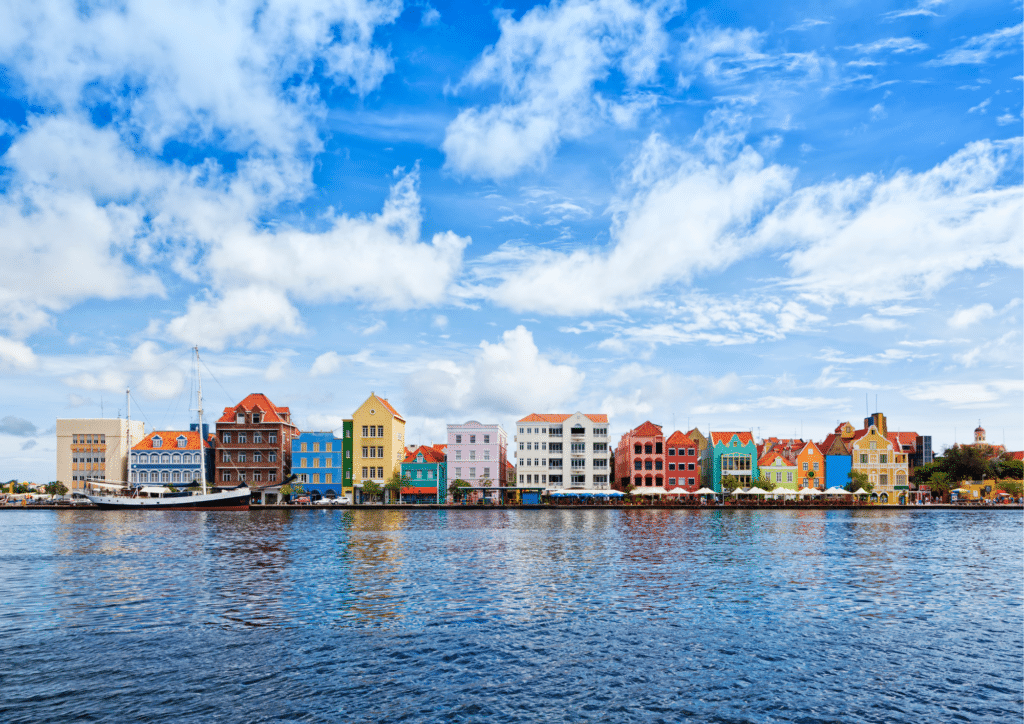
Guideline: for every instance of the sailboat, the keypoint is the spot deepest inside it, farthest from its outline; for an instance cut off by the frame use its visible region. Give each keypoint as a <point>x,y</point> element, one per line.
<point>156,497</point>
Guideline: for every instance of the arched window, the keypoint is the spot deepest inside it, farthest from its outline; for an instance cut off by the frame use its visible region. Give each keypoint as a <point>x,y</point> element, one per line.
<point>176,459</point>
<point>165,459</point>
<point>165,476</point>
<point>176,476</point>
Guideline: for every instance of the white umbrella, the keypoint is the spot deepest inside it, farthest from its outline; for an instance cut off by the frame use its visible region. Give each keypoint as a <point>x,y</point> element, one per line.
<point>757,491</point>
<point>705,491</point>
<point>861,491</point>
<point>652,491</point>
<point>783,491</point>
<point>837,491</point>
<point>809,491</point>
<point>677,491</point>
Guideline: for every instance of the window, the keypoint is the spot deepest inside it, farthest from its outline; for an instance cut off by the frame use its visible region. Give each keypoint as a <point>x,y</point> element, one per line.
<point>240,418</point>
<point>689,451</point>
<point>529,446</point>
<point>328,447</point>
<point>366,454</point>
<point>272,476</point>
<point>578,464</point>
<point>226,456</point>
<point>226,477</point>
<point>373,431</point>
<point>380,431</point>
<point>600,430</point>
<point>302,463</point>
<point>272,437</point>
<point>863,459</point>
<point>458,473</point>
<point>648,465</point>
<point>472,439</point>
<point>316,462</point>
<point>487,473</point>
<point>521,432</point>
<point>241,437</point>
<point>487,454</point>
<point>472,454</point>
<point>272,456</point>
<point>690,466</point>
<point>778,477</point>
<point>316,447</point>
<point>789,477</point>
<point>316,478</point>
<point>182,442</point>
<point>647,449</point>
<point>603,463</point>
<point>579,447</point>
<point>815,466</point>
<point>638,449</point>
<point>487,439</point>
<point>671,451</point>
<point>671,466</point>
<point>348,454</point>
<point>257,437</point>
<point>302,447</point>
<point>472,472</point>
<point>176,459</point>
<point>883,479</point>
<point>380,451</point>
<point>883,458</point>
<point>458,439</point>
<point>671,481</point>
<point>555,463</point>
<point>348,433</point>
<point>521,446</point>
<point>256,417</point>
<point>157,442</point>
<point>364,469</point>
<point>657,448</point>
<point>365,434</point>
<point>241,457</point>
<point>657,464</point>
<point>874,446</point>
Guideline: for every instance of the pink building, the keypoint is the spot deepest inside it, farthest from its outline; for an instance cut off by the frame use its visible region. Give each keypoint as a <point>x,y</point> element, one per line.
<point>640,457</point>
<point>478,454</point>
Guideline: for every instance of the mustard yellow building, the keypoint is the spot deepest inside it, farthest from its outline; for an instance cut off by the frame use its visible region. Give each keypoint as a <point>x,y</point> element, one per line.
<point>874,454</point>
<point>378,441</point>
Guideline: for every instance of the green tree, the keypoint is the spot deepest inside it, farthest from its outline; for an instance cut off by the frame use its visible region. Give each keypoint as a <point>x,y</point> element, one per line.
<point>458,488</point>
<point>939,482</point>
<point>858,480</point>
<point>292,487</point>
<point>394,486</point>
<point>1007,467</point>
<point>730,483</point>
<point>56,487</point>
<point>965,462</point>
<point>372,489</point>
<point>628,488</point>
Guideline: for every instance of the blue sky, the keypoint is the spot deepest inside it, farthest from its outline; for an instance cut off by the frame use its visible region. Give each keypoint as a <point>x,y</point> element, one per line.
<point>719,214</point>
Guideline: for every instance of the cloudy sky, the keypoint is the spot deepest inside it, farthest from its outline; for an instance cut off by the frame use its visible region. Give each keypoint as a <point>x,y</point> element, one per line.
<point>719,214</point>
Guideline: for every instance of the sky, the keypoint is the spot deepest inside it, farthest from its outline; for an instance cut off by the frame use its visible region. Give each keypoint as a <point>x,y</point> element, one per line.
<point>727,215</point>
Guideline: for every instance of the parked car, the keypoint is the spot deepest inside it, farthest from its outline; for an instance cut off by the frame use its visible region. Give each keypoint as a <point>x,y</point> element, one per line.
<point>304,500</point>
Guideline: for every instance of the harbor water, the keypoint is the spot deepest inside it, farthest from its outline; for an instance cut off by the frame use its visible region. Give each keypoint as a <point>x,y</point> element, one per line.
<point>512,616</point>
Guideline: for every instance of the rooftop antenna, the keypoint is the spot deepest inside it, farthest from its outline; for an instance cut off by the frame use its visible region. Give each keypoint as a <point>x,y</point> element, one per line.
<point>101,404</point>
<point>866,413</point>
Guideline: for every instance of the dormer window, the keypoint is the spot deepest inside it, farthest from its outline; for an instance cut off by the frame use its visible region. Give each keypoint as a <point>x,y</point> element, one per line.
<point>157,442</point>
<point>255,417</point>
<point>419,458</point>
<point>240,418</point>
<point>182,442</point>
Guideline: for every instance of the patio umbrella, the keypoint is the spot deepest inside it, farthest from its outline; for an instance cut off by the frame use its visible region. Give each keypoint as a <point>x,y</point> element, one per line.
<point>678,491</point>
<point>809,491</point>
<point>705,491</point>
<point>861,491</point>
<point>837,491</point>
<point>652,491</point>
<point>614,493</point>
<point>783,491</point>
<point>757,491</point>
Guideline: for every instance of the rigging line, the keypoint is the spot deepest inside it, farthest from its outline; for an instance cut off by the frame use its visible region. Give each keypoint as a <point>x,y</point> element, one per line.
<point>226,393</point>
<point>142,411</point>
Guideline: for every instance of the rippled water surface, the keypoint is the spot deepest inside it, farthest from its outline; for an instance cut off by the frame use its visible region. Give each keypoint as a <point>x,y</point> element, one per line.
<point>518,616</point>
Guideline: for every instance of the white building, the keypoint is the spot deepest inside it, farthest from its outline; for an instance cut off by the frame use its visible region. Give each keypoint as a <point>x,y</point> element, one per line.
<point>477,454</point>
<point>563,451</point>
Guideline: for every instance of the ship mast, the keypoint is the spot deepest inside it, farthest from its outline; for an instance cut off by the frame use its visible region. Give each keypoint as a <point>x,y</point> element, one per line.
<point>202,437</point>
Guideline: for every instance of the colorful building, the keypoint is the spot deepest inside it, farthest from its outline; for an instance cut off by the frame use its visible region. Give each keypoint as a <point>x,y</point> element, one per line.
<point>171,457</point>
<point>378,447</point>
<point>477,453</point>
<point>640,457</point>
<point>836,447</point>
<point>425,472</point>
<point>811,468</point>
<point>777,470</point>
<point>682,457</point>
<point>874,454</point>
<point>563,451</point>
<point>254,444</point>
<point>317,459</point>
<point>731,455</point>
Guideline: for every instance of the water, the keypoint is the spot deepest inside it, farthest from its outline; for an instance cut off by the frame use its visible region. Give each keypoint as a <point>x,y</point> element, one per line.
<point>512,616</point>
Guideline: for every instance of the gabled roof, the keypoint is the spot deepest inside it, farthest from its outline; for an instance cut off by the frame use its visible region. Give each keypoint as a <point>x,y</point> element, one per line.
<point>647,429</point>
<point>834,444</point>
<point>810,444</point>
<point>509,465</point>
<point>430,455</point>
<point>720,438</point>
<point>258,401</point>
<point>170,440</point>
<point>389,408</point>
<point>1016,455</point>
<point>678,437</point>
<point>534,417</point>
<point>441,448</point>
<point>899,439</point>
<point>770,458</point>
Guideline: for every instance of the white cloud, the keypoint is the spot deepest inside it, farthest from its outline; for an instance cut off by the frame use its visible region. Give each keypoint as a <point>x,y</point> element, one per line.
<point>875,324</point>
<point>440,321</point>
<point>507,377</point>
<point>688,214</point>
<point>968,394</point>
<point>964,318</point>
<point>892,45</point>
<point>980,108</point>
<point>546,64</point>
<point>923,7</point>
<point>1007,119</point>
<point>16,354</point>
<point>877,112</point>
<point>807,24</point>
<point>981,48</point>
<point>326,364</point>
<point>377,326</point>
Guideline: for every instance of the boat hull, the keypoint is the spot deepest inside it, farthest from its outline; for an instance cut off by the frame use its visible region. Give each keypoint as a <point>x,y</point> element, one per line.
<point>230,500</point>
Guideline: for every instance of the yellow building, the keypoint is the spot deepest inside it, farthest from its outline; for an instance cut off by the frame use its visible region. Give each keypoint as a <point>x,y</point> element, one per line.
<point>95,449</point>
<point>378,441</point>
<point>874,454</point>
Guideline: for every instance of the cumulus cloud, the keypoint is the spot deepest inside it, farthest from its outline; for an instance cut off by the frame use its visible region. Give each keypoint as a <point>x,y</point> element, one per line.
<point>546,64</point>
<point>326,364</point>
<point>16,354</point>
<point>964,318</point>
<point>506,377</point>
<point>17,426</point>
<point>968,394</point>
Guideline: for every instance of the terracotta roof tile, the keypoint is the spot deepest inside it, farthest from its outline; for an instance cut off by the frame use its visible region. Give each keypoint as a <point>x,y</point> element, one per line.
<point>389,408</point>
<point>722,437</point>
<point>258,401</point>
<point>430,455</point>
<point>170,440</point>
<point>678,437</point>
<point>534,417</point>
<point>647,429</point>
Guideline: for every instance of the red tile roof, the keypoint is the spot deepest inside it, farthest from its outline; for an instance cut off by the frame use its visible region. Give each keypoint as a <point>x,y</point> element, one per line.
<point>723,437</point>
<point>1016,455</point>
<point>509,465</point>
<point>430,455</point>
<point>677,437</point>
<point>258,401</point>
<point>170,440</point>
<point>647,429</point>
<point>770,458</point>
<point>389,408</point>
<point>561,418</point>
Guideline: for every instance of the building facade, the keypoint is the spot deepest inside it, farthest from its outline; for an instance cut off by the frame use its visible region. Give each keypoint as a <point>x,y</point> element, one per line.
<point>777,470</point>
<point>811,468</point>
<point>682,457</point>
<point>317,459</point>
<point>477,453</point>
<point>731,456</point>
<point>254,444</point>
<point>171,457</point>
<point>640,457</point>
<point>425,472</point>
<point>874,454</point>
<point>563,451</point>
<point>378,441</point>
<point>95,449</point>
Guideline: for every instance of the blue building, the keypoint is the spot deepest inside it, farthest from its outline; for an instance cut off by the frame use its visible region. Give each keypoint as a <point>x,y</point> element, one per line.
<point>731,455</point>
<point>838,458</point>
<point>317,461</point>
<point>170,457</point>
<point>425,473</point>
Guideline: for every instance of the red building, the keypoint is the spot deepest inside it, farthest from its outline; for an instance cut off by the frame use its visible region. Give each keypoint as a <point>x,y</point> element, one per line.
<point>254,442</point>
<point>682,457</point>
<point>640,457</point>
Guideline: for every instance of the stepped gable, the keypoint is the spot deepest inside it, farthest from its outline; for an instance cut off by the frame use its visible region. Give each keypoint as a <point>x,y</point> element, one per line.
<point>430,455</point>
<point>170,440</point>
<point>721,438</point>
<point>677,437</point>
<point>257,401</point>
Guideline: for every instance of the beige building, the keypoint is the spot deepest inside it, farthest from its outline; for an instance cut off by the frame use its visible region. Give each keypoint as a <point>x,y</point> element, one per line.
<point>95,449</point>
<point>378,445</point>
